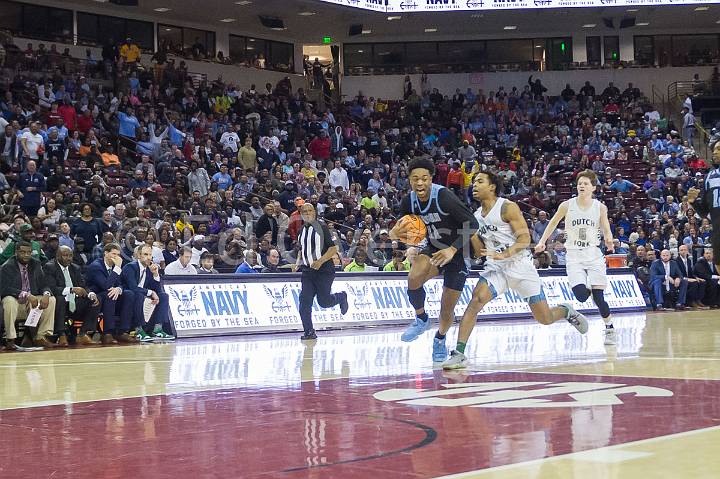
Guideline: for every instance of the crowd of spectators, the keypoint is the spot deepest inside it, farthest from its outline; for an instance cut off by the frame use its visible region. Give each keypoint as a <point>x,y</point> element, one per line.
<point>209,177</point>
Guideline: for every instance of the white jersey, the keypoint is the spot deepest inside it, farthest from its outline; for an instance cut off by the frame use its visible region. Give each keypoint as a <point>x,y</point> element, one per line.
<point>582,226</point>
<point>497,235</point>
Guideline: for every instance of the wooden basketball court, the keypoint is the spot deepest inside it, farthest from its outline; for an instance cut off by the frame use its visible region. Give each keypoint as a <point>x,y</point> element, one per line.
<point>538,402</point>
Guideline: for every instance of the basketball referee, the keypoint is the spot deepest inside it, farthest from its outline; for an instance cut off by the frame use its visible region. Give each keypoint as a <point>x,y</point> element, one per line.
<point>315,261</point>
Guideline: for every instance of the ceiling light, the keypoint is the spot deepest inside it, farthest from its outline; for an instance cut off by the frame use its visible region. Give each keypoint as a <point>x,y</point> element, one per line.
<point>538,46</point>
<point>279,29</point>
<point>168,29</point>
<point>162,9</point>
<point>430,30</point>
<point>718,21</point>
<point>393,17</point>
<point>361,51</point>
<point>307,14</point>
<point>243,2</point>
<point>589,25</point>
<point>632,10</point>
<point>701,9</point>
<point>366,31</point>
<point>510,27</point>
<point>228,20</point>
<point>642,24</point>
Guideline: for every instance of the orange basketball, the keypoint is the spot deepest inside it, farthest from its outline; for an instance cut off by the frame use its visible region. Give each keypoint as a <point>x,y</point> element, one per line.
<point>414,229</point>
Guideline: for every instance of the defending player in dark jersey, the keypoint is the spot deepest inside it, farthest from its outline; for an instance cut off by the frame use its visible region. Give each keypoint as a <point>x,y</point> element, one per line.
<point>450,224</point>
<point>707,201</point>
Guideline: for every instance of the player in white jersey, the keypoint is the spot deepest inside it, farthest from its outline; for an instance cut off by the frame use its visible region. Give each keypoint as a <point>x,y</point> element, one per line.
<point>503,238</point>
<point>585,219</point>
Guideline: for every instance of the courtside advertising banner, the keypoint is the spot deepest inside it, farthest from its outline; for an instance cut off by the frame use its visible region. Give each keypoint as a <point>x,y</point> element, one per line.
<point>232,304</point>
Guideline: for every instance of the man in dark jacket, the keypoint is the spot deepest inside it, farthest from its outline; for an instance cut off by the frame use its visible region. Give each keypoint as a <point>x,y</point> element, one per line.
<point>706,269</point>
<point>22,288</point>
<point>8,149</point>
<point>696,286</point>
<point>267,223</point>
<point>142,277</point>
<point>103,279</point>
<point>666,278</point>
<point>72,300</point>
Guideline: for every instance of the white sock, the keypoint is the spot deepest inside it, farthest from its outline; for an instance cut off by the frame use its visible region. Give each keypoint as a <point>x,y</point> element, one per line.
<point>608,322</point>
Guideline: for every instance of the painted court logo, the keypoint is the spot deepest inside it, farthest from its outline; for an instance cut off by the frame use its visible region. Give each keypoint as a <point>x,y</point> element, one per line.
<point>187,305</point>
<point>279,303</point>
<point>521,394</point>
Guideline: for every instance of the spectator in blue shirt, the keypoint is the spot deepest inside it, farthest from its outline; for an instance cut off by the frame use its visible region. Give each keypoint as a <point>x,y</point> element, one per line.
<point>223,179</point>
<point>138,181</point>
<point>31,184</point>
<point>653,181</point>
<point>246,266</point>
<point>658,144</point>
<point>614,145</point>
<point>622,185</point>
<point>674,159</point>
<point>128,123</point>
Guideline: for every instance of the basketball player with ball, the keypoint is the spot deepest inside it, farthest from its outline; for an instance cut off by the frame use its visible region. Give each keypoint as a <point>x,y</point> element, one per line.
<point>503,238</point>
<point>436,220</point>
<point>585,218</point>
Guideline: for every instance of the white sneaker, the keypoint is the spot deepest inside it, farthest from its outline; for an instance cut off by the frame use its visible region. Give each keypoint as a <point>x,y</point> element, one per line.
<point>578,320</point>
<point>610,337</point>
<point>456,360</point>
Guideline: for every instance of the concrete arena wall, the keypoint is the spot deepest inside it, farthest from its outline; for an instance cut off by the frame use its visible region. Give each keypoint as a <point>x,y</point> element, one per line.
<point>390,87</point>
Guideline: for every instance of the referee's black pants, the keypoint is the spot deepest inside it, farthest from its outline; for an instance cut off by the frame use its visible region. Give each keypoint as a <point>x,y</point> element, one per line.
<point>315,283</point>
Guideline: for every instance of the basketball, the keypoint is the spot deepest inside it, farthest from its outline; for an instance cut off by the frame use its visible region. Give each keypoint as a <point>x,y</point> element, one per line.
<point>414,229</point>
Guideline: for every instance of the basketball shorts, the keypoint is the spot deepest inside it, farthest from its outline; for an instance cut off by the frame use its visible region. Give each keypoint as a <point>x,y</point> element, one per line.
<point>586,267</point>
<point>519,275</point>
<point>454,273</point>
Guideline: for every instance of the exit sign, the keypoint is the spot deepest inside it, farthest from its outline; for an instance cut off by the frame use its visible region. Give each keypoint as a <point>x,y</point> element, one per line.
<point>327,40</point>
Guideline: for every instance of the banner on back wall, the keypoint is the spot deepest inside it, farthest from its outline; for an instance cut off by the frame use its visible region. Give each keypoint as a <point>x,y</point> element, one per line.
<point>229,304</point>
<point>408,6</point>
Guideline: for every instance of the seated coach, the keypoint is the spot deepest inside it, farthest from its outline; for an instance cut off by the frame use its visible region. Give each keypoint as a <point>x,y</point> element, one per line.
<point>72,300</point>
<point>103,278</point>
<point>22,288</point>
<point>142,277</point>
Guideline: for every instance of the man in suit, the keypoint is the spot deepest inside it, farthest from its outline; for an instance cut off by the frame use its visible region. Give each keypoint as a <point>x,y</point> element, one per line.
<point>71,298</point>
<point>142,277</point>
<point>103,278</point>
<point>696,286</point>
<point>666,279</point>
<point>706,269</point>
<point>22,288</point>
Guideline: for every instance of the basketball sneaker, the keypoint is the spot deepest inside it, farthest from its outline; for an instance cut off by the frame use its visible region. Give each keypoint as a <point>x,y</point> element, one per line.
<point>439,350</point>
<point>142,336</point>
<point>344,306</point>
<point>416,328</point>
<point>158,333</point>
<point>578,320</point>
<point>610,336</point>
<point>457,360</point>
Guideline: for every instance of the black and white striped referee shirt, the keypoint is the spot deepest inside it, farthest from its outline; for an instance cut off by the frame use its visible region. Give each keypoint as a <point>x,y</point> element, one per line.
<point>315,239</point>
